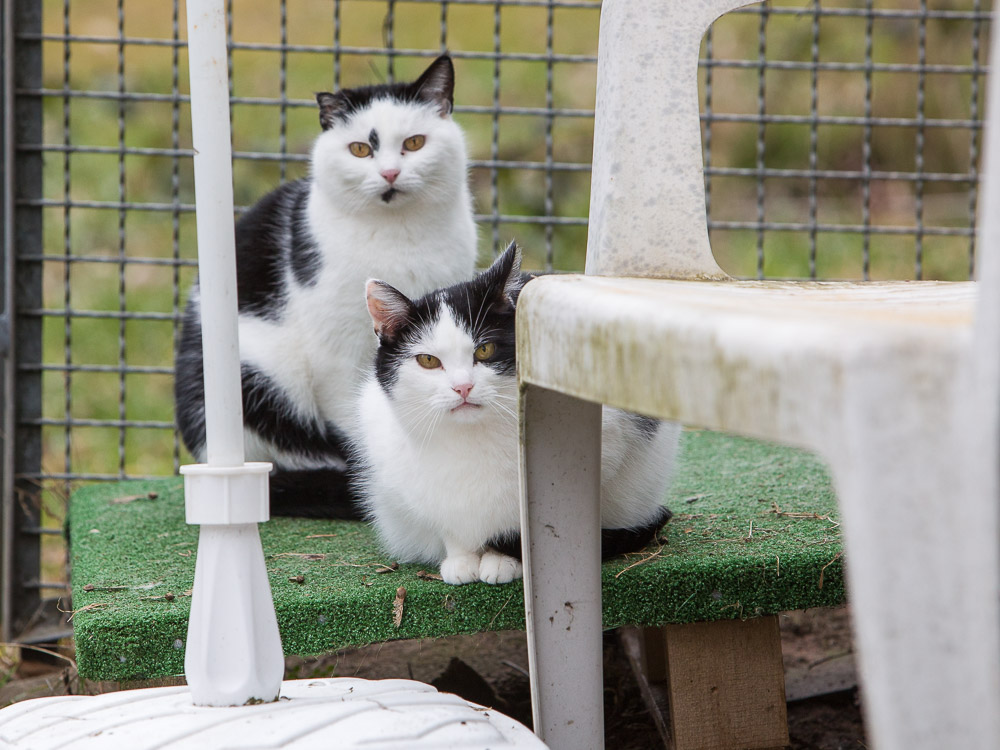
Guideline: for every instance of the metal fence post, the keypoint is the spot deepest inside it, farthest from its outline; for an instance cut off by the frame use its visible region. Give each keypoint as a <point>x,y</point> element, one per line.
<point>22,287</point>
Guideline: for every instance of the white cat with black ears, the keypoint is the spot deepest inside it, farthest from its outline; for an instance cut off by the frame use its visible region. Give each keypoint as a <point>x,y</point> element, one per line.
<point>387,196</point>
<point>438,433</point>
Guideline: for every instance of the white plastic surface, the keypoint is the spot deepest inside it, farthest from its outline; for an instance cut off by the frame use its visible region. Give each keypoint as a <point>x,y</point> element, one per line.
<point>895,385</point>
<point>563,611</point>
<point>213,182</point>
<point>633,211</point>
<point>234,652</point>
<point>226,494</point>
<point>323,714</point>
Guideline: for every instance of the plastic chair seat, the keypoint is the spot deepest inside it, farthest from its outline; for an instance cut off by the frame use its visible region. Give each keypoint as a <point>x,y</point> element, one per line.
<point>765,358</point>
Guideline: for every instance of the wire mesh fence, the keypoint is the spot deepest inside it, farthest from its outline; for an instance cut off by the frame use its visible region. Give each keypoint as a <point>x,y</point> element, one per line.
<point>841,141</point>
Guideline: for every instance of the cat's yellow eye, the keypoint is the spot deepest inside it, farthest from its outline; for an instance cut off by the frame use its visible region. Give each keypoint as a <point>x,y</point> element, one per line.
<point>428,361</point>
<point>485,351</point>
<point>414,143</point>
<point>360,150</point>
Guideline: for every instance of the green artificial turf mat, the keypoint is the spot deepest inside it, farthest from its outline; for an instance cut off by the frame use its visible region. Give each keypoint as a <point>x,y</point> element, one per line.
<point>754,533</point>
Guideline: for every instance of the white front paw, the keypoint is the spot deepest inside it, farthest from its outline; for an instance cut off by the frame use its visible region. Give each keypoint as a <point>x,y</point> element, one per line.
<point>459,569</point>
<point>498,568</point>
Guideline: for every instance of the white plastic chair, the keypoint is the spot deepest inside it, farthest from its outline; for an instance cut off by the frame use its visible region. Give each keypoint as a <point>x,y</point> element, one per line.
<point>234,661</point>
<point>895,385</point>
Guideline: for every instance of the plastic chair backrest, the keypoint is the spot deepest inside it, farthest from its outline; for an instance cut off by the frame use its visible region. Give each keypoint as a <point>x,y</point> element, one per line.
<point>647,203</point>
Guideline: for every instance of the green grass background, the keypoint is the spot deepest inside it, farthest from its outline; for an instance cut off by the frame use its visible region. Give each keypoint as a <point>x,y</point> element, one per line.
<point>102,233</point>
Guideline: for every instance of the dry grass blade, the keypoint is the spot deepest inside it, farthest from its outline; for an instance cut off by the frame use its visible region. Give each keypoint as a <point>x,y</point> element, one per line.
<point>397,607</point>
<point>646,559</point>
<point>85,608</point>
<point>303,555</point>
<point>823,569</point>
<point>801,514</point>
<point>131,498</point>
<point>502,607</point>
<point>428,576</point>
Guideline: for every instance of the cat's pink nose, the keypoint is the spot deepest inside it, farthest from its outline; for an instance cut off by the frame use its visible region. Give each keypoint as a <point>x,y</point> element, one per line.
<point>390,175</point>
<point>463,390</point>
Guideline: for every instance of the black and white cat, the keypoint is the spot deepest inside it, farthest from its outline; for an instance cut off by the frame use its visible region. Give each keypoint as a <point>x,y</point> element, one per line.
<point>387,196</point>
<point>438,434</point>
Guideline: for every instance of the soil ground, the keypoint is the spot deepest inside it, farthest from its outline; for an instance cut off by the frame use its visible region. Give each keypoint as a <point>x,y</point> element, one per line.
<point>491,669</point>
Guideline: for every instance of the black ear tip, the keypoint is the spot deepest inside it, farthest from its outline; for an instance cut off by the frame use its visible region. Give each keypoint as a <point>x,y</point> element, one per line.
<point>513,254</point>
<point>443,60</point>
<point>442,70</point>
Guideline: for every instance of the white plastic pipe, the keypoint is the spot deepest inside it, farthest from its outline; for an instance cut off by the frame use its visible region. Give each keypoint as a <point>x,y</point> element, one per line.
<point>213,178</point>
<point>233,653</point>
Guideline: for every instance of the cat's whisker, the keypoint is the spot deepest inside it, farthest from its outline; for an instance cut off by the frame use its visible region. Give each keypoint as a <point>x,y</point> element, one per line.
<point>480,315</point>
<point>429,430</point>
<point>503,409</point>
<point>468,303</point>
<point>505,397</point>
<point>414,408</point>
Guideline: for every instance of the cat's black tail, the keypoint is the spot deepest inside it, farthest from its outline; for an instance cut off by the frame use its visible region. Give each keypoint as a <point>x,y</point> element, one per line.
<point>614,542</point>
<point>314,493</point>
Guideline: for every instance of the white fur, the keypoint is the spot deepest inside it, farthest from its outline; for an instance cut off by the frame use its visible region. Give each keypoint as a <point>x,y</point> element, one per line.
<point>440,483</point>
<point>423,239</point>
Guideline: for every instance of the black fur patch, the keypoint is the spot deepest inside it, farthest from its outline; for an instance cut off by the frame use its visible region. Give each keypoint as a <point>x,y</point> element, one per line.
<point>273,233</point>
<point>314,493</point>
<point>304,256</point>
<point>189,384</point>
<point>614,542</point>
<point>269,413</point>
<point>373,139</point>
<point>648,426</point>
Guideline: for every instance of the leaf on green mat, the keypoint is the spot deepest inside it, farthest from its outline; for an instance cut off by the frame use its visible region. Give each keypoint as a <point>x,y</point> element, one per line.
<point>397,606</point>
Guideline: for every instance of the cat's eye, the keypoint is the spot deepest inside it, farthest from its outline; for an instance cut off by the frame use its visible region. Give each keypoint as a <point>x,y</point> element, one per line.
<point>428,361</point>
<point>360,150</point>
<point>485,351</point>
<point>414,143</point>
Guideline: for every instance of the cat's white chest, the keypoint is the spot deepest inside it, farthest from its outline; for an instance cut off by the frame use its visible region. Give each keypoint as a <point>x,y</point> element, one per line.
<point>456,482</point>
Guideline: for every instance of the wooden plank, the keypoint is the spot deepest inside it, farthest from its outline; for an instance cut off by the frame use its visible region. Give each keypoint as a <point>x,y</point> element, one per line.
<point>725,685</point>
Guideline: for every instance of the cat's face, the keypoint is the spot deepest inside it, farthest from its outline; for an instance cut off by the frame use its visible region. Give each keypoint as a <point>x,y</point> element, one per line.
<point>448,372</point>
<point>448,358</point>
<point>393,145</point>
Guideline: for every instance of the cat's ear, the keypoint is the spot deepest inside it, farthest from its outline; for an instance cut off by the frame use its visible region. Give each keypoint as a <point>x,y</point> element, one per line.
<point>504,278</point>
<point>332,107</point>
<point>436,85</point>
<point>390,308</point>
